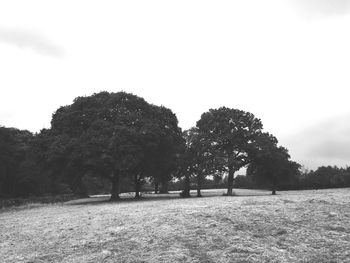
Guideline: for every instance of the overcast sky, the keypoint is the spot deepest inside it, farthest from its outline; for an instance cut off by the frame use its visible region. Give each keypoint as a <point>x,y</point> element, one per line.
<point>286,61</point>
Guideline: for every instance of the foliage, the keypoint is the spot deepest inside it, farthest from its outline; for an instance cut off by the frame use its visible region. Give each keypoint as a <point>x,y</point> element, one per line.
<point>325,177</point>
<point>271,162</point>
<point>121,135</point>
<point>14,145</point>
<point>195,162</point>
<point>121,138</point>
<point>229,137</point>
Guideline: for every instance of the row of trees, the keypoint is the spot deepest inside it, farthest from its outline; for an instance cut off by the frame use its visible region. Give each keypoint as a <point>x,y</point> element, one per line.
<point>325,177</point>
<point>121,138</point>
<point>321,178</point>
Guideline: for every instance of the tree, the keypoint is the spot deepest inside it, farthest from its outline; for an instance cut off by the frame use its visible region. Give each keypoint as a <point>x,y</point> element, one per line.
<point>51,152</point>
<point>194,162</point>
<point>170,145</point>
<point>14,145</point>
<point>122,136</point>
<point>75,168</point>
<point>271,162</point>
<point>109,127</point>
<point>326,177</point>
<point>188,163</point>
<point>229,136</point>
<point>113,152</point>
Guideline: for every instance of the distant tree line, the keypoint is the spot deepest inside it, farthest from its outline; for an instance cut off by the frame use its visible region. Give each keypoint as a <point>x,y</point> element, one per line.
<point>322,178</point>
<point>121,143</point>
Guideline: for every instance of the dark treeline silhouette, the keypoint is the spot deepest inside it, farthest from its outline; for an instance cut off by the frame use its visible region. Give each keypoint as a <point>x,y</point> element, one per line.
<point>322,178</point>
<point>118,142</point>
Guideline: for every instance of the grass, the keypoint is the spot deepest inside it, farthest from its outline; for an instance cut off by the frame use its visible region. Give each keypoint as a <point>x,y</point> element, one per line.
<point>253,226</point>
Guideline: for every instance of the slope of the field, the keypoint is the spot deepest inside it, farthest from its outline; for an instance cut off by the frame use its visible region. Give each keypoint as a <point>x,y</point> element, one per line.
<point>295,226</point>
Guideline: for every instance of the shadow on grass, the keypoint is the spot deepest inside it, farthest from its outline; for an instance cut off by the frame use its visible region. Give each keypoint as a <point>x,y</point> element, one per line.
<point>106,199</point>
<point>146,197</point>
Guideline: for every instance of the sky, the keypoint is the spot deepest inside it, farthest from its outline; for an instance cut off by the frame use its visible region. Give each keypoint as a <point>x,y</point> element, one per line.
<point>285,61</point>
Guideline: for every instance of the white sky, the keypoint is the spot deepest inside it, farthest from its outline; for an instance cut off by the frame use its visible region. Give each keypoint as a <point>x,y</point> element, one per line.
<point>286,61</point>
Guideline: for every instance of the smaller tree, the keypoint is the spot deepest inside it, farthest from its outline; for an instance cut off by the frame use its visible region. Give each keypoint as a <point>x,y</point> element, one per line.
<point>188,161</point>
<point>271,162</point>
<point>170,144</point>
<point>194,162</point>
<point>14,145</point>
<point>228,136</point>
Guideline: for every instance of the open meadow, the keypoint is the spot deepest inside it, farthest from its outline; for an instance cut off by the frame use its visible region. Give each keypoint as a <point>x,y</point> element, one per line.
<point>253,226</point>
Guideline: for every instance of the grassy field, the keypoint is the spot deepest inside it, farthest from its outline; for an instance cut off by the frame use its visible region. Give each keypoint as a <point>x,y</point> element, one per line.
<point>253,226</point>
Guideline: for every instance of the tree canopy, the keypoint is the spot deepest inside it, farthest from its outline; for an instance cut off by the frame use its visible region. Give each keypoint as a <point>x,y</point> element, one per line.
<point>14,145</point>
<point>121,136</point>
<point>229,137</point>
<point>195,161</point>
<point>271,162</point>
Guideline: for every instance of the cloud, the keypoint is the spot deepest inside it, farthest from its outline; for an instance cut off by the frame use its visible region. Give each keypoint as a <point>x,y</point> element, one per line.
<point>325,143</point>
<point>322,7</point>
<point>26,39</point>
<point>332,149</point>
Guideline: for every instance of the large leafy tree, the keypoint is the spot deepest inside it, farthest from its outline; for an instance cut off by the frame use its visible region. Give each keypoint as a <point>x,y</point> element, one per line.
<point>271,163</point>
<point>112,151</point>
<point>121,135</point>
<point>107,126</point>
<point>229,136</point>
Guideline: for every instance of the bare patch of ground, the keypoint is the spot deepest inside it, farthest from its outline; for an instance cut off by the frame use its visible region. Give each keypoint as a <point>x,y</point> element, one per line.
<point>295,226</point>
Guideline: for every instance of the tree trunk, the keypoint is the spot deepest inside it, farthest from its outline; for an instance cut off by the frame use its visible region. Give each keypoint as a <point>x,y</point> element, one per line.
<point>81,190</point>
<point>156,187</point>
<point>199,184</point>
<point>230,181</point>
<point>164,188</point>
<point>274,186</point>
<point>137,186</point>
<point>115,186</point>
<point>187,187</point>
